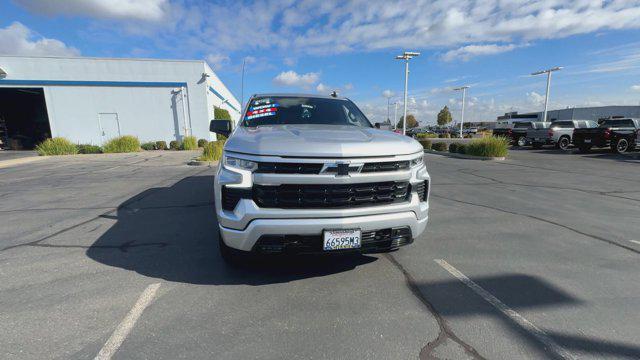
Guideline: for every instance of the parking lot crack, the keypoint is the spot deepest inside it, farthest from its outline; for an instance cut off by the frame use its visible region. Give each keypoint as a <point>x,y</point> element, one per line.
<point>445,332</point>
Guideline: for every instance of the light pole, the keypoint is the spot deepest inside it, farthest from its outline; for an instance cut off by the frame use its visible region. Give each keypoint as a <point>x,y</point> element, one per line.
<point>546,96</point>
<point>242,86</point>
<point>395,115</point>
<point>406,56</point>
<point>464,93</point>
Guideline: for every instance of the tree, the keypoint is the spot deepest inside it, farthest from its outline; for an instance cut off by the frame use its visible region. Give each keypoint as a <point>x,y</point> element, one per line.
<point>411,122</point>
<point>444,116</point>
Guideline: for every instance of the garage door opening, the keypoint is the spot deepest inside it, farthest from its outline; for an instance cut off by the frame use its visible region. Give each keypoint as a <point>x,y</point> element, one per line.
<point>24,121</point>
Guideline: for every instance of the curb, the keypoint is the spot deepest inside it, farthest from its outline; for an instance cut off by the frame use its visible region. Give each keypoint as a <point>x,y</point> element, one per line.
<point>194,162</point>
<point>464,156</point>
<point>20,161</point>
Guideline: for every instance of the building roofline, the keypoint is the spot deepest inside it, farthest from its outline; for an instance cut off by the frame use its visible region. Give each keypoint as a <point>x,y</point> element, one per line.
<point>100,58</point>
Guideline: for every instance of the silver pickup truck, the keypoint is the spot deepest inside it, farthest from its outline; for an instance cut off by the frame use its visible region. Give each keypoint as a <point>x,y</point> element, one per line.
<point>311,174</point>
<point>558,133</point>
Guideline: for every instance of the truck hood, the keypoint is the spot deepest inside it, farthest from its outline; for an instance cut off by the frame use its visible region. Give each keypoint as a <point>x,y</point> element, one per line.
<point>327,141</point>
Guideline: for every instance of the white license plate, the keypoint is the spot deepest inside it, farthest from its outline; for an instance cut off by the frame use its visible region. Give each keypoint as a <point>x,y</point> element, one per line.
<point>587,141</point>
<point>342,239</point>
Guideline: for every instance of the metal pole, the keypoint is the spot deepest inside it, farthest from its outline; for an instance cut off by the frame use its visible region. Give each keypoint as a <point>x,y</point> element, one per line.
<point>388,103</point>
<point>184,112</point>
<point>395,115</point>
<point>242,86</point>
<point>464,92</point>
<point>406,85</point>
<point>546,97</point>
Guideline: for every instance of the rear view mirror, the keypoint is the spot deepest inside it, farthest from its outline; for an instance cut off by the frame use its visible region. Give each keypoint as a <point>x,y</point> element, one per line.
<point>222,127</point>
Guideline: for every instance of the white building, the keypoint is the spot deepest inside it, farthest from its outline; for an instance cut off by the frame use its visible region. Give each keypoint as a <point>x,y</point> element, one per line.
<point>90,100</point>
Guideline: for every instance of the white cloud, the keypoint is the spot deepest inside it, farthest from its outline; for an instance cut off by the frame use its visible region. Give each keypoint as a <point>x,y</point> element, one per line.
<point>289,61</point>
<point>300,28</point>
<point>17,39</point>
<point>348,86</point>
<point>388,94</point>
<point>218,61</point>
<point>322,88</point>
<point>146,10</point>
<point>535,99</point>
<point>293,79</point>
<point>465,53</point>
<point>635,87</point>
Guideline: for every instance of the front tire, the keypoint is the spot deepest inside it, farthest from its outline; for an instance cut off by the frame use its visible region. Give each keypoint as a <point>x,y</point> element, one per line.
<point>563,143</point>
<point>522,141</point>
<point>621,146</point>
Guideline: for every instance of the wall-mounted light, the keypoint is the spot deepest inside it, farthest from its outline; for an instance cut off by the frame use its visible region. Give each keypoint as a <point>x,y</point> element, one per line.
<point>2,73</point>
<point>205,75</point>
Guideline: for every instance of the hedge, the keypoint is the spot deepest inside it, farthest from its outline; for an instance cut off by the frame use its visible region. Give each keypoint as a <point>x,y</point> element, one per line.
<point>489,147</point>
<point>122,144</point>
<point>440,146</point>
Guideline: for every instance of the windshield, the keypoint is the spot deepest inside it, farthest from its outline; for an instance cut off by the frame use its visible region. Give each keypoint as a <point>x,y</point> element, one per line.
<point>284,110</point>
<point>617,123</point>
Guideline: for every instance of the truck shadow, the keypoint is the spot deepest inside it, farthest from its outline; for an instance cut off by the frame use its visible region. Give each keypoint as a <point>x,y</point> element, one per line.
<point>171,233</point>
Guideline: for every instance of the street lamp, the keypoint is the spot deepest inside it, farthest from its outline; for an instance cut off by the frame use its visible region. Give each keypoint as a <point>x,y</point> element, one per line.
<point>406,56</point>
<point>464,93</point>
<point>395,114</point>
<point>546,96</point>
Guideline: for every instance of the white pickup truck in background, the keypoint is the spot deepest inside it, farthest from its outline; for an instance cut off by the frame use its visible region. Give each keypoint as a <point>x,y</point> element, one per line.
<point>557,133</point>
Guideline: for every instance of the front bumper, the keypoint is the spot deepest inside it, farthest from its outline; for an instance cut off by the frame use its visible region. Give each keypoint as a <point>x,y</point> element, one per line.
<point>247,223</point>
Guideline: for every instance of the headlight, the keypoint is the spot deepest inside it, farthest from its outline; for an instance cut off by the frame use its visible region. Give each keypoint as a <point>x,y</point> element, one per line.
<point>242,164</point>
<point>416,162</point>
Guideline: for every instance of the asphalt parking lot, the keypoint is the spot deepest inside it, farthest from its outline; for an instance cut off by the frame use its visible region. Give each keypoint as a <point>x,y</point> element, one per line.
<point>534,257</point>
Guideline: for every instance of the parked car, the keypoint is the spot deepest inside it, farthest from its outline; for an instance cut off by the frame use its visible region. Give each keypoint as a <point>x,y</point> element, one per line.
<point>310,174</point>
<point>558,133</point>
<point>621,135</point>
<point>472,130</point>
<point>517,131</point>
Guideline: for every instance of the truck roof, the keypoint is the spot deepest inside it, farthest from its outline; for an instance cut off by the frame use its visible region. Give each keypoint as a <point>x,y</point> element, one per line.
<point>301,95</point>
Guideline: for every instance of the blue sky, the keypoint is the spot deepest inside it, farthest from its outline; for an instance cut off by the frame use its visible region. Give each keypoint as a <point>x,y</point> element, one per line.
<point>318,46</point>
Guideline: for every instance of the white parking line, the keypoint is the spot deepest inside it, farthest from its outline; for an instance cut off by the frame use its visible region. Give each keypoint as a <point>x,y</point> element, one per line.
<point>635,241</point>
<point>524,323</point>
<point>120,333</point>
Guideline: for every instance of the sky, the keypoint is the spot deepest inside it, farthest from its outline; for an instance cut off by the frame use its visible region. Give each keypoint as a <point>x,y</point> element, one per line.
<point>317,46</point>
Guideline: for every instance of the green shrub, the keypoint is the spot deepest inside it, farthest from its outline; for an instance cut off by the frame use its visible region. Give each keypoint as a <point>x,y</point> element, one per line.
<point>212,151</point>
<point>122,144</point>
<point>440,146</point>
<point>189,143</point>
<point>89,149</point>
<point>444,136</point>
<point>161,145</point>
<point>489,146</point>
<point>426,144</point>
<point>462,148</point>
<point>426,136</point>
<point>453,147</point>
<point>202,143</point>
<point>56,146</point>
<point>148,146</point>
<point>175,145</point>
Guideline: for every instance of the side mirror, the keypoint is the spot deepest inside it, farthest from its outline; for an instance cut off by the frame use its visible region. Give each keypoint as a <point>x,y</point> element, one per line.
<point>377,125</point>
<point>222,127</point>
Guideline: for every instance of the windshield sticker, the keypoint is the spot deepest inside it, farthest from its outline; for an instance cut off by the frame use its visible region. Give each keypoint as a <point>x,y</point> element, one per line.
<point>264,101</point>
<point>262,111</point>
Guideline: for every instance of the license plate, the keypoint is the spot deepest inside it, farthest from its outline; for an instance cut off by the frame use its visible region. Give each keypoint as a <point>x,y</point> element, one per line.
<point>587,140</point>
<point>341,239</point>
